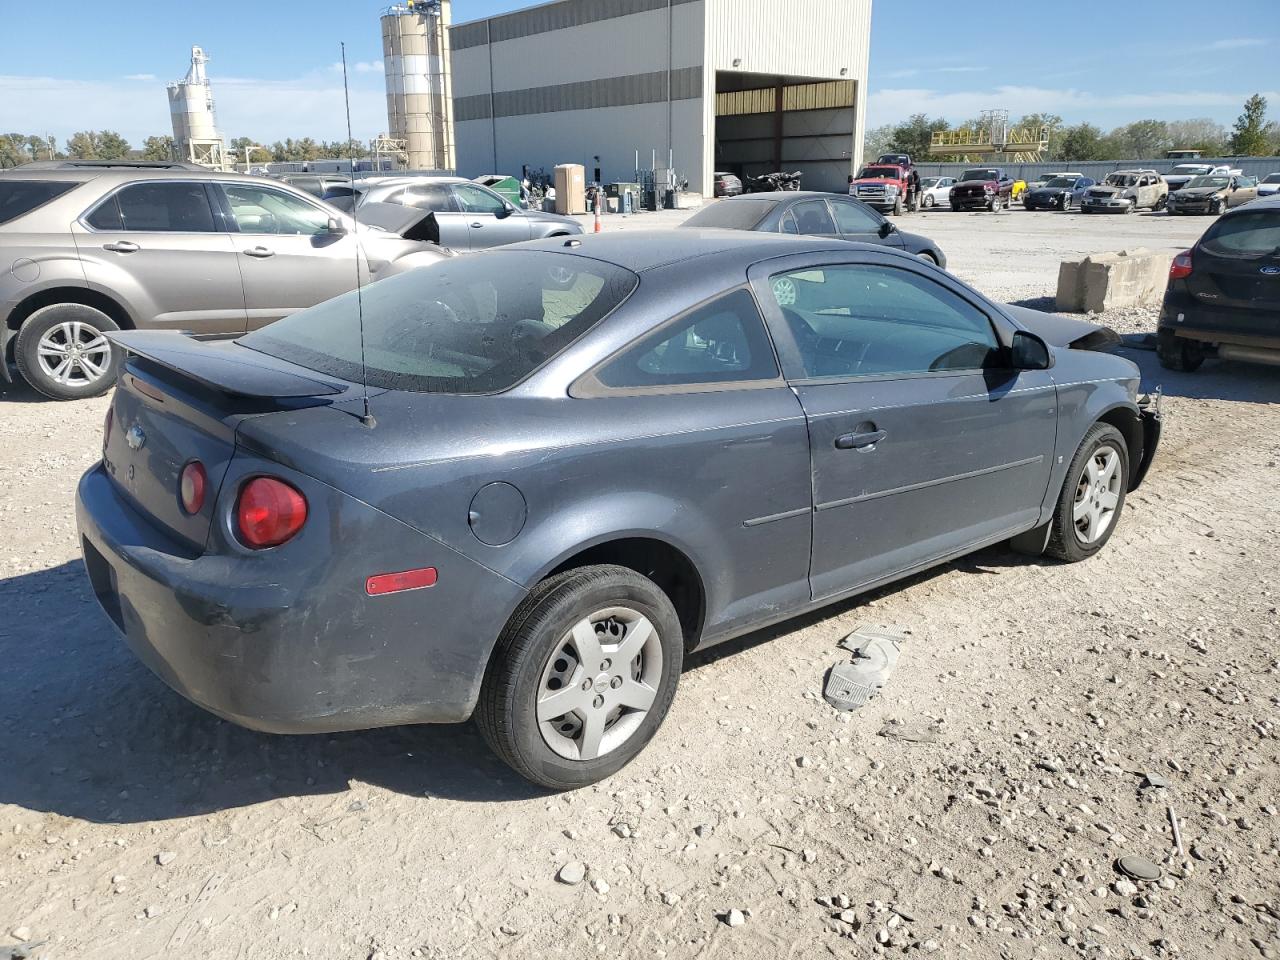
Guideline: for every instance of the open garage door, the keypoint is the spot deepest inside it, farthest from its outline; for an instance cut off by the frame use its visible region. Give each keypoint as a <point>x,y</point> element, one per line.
<point>766,123</point>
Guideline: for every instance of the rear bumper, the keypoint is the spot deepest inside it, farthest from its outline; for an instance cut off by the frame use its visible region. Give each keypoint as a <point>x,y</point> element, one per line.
<point>1189,318</point>
<point>290,643</point>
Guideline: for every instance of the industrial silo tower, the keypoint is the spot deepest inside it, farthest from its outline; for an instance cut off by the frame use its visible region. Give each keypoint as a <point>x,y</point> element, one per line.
<point>415,52</point>
<point>195,129</point>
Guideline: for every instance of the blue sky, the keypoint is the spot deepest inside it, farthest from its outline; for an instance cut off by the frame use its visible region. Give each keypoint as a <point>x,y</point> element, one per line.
<point>77,65</point>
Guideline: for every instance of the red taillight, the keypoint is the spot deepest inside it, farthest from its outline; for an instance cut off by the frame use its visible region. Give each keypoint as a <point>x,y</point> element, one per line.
<point>269,512</point>
<point>106,428</point>
<point>396,582</point>
<point>1181,266</point>
<point>192,486</point>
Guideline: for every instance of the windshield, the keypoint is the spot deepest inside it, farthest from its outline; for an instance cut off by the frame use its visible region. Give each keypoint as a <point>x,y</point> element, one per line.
<point>1215,182</point>
<point>929,182</point>
<point>474,324</point>
<point>731,214</point>
<point>1061,182</point>
<point>22,196</point>
<point>1191,169</point>
<point>1122,180</point>
<point>1254,234</point>
<point>980,175</point>
<point>880,173</point>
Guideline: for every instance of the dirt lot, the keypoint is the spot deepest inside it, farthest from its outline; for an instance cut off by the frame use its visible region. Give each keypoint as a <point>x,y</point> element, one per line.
<point>134,825</point>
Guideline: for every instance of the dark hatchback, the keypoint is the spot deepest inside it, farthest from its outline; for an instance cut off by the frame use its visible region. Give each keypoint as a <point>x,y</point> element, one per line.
<point>812,214</point>
<point>1223,296</point>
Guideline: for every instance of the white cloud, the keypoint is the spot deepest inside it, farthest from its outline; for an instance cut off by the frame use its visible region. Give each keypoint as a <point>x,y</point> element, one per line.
<point>309,106</point>
<point>1238,43</point>
<point>960,69</point>
<point>147,77</point>
<point>360,66</point>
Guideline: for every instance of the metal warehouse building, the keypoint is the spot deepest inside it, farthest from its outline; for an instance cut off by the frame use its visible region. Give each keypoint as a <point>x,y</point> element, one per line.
<point>744,86</point>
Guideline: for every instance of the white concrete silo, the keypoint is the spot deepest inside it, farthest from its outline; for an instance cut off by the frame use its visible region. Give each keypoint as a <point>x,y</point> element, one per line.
<point>195,128</point>
<point>415,54</point>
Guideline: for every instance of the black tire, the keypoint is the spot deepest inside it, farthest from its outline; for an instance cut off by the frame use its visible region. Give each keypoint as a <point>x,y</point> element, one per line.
<point>1178,353</point>
<point>928,257</point>
<point>80,383</point>
<point>897,207</point>
<point>928,201</point>
<point>1162,202</point>
<point>1065,539</point>
<point>507,710</point>
<point>1066,203</point>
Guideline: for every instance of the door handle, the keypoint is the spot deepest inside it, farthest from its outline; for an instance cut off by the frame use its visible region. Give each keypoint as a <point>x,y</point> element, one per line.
<point>260,252</point>
<point>122,246</point>
<point>859,441</point>
<point>477,225</point>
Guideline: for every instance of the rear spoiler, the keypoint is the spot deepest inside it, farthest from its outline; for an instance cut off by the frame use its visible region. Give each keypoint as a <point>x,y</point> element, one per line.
<point>225,365</point>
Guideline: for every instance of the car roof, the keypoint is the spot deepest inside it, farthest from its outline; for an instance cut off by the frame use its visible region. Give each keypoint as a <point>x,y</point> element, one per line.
<point>782,196</point>
<point>117,174</point>
<point>642,250</point>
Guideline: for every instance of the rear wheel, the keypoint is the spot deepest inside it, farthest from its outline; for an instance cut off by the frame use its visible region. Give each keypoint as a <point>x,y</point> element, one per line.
<point>1092,498</point>
<point>61,351</point>
<point>582,676</point>
<point>1066,203</point>
<point>1178,353</point>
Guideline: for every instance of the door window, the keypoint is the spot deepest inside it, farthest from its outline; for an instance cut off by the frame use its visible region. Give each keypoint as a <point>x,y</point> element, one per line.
<point>812,217</point>
<point>263,210</point>
<point>868,320</point>
<point>851,218</point>
<point>477,200</point>
<point>721,342</point>
<point>158,207</point>
<point>428,196</point>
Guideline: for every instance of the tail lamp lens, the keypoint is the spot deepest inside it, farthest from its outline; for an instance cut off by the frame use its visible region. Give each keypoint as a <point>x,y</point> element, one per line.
<point>269,513</point>
<point>1181,266</point>
<point>192,486</point>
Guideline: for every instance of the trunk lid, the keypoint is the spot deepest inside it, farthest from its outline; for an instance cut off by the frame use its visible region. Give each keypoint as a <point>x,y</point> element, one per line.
<point>1250,284</point>
<point>178,401</point>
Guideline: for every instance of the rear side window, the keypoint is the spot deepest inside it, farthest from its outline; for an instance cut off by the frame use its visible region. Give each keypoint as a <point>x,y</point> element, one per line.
<point>158,207</point>
<point>1254,234</point>
<point>476,324</point>
<point>813,218</point>
<point>18,197</point>
<point>720,342</point>
<point>429,196</point>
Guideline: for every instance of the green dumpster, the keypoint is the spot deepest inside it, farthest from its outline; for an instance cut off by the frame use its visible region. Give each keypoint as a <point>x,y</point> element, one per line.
<point>507,187</point>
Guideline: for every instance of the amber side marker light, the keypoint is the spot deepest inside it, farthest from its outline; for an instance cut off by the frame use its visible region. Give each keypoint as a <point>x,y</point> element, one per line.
<point>384,583</point>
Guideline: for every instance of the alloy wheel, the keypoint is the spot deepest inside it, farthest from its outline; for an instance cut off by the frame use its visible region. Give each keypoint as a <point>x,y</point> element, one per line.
<point>1097,494</point>
<point>599,684</point>
<point>74,353</point>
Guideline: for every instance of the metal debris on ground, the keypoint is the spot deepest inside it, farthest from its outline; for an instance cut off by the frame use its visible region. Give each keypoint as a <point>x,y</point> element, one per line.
<point>1153,781</point>
<point>1138,868</point>
<point>21,951</point>
<point>910,732</point>
<point>875,654</point>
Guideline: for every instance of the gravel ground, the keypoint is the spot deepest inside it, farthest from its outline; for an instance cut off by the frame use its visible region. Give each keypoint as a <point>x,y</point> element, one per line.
<point>1038,699</point>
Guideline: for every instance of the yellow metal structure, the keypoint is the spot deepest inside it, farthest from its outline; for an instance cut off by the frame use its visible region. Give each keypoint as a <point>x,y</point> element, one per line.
<point>992,138</point>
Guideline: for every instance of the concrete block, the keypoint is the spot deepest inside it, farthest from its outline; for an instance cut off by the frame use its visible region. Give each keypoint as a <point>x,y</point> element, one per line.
<point>1104,281</point>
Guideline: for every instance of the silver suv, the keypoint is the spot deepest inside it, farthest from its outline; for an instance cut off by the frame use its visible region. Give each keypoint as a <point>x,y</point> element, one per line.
<point>87,250</point>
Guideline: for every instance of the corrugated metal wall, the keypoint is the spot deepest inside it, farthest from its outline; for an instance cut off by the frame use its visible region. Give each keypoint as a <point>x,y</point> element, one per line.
<point>808,38</point>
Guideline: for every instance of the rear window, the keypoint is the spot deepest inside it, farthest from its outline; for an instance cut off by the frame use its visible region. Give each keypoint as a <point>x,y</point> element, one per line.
<point>1254,234</point>
<point>18,197</point>
<point>475,324</point>
<point>731,214</point>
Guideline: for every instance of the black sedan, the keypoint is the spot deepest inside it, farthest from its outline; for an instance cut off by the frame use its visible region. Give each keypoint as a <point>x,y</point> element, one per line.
<point>1057,193</point>
<point>812,214</point>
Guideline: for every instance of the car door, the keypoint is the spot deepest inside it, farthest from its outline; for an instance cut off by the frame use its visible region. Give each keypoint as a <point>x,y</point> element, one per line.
<point>158,245</point>
<point>857,221</point>
<point>439,199</point>
<point>923,442</point>
<point>491,221</point>
<point>810,218</point>
<point>289,258</point>
<point>1244,190</point>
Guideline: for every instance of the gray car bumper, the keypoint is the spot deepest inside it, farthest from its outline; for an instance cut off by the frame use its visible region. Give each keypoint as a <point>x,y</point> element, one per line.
<point>299,648</point>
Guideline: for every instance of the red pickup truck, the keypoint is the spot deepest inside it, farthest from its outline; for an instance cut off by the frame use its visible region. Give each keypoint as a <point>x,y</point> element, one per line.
<point>889,187</point>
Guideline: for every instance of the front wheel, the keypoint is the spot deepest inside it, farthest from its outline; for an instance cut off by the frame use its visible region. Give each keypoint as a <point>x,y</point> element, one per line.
<point>994,204</point>
<point>1092,497</point>
<point>928,201</point>
<point>61,351</point>
<point>582,676</point>
<point>1178,353</point>
<point>1066,203</point>
<point>897,207</point>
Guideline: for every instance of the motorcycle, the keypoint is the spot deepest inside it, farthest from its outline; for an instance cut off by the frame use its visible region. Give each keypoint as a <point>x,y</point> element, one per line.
<point>773,182</point>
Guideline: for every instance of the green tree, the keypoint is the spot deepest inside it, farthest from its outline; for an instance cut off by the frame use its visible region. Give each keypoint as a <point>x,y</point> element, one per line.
<point>915,135</point>
<point>1139,140</point>
<point>876,142</point>
<point>1249,138</point>
<point>158,148</point>
<point>12,150</point>
<point>83,145</point>
<point>1033,122</point>
<point>1200,133</point>
<point>112,146</point>
<point>1081,142</point>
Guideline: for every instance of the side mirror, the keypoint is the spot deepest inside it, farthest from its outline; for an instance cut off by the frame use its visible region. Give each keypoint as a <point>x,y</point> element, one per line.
<point>1029,352</point>
<point>506,211</point>
<point>886,229</point>
<point>335,226</point>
